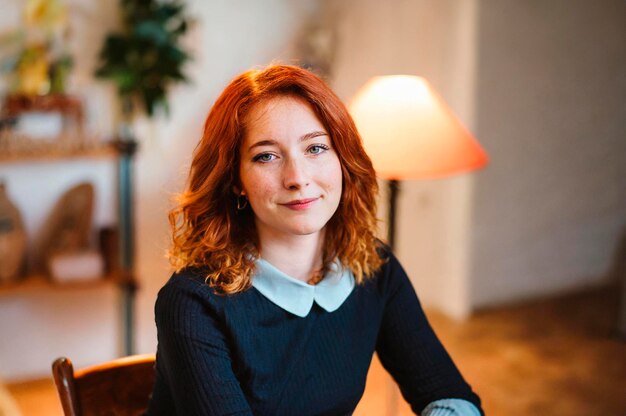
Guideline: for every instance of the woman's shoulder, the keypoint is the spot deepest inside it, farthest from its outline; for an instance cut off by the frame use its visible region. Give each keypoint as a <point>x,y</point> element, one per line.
<point>186,303</point>
<point>184,286</point>
<point>391,275</point>
<point>189,278</point>
<point>188,288</point>
<point>186,297</point>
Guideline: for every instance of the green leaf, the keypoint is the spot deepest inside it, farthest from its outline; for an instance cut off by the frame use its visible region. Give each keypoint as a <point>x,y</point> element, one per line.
<point>145,59</point>
<point>151,30</point>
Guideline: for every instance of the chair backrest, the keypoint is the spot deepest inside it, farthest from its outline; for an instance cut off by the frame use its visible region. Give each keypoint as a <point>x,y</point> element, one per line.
<point>119,387</point>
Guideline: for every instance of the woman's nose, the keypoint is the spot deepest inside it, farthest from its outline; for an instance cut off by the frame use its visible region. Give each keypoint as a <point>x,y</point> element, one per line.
<point>295,174</point>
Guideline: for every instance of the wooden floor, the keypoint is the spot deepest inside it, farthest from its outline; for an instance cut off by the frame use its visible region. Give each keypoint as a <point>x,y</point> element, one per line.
<point>556,356</point>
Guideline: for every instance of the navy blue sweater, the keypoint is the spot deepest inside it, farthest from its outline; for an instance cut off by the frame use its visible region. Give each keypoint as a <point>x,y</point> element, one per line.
<point>243,355</point>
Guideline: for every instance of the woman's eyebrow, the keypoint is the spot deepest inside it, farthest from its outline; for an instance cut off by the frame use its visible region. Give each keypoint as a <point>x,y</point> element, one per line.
<point>262,143</point>
<point>268,142</point>
<point>312,135</point>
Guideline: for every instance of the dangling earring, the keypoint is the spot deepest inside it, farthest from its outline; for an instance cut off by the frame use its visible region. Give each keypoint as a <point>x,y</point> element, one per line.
<point>242,202</point>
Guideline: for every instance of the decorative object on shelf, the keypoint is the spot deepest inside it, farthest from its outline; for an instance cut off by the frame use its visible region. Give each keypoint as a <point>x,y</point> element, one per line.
<point>38,115</point>
<point>35,56</point>
<point>76,266</point>
<point>43,124</point>
<point>12,239</point>
<point>145,59</point>
<point>31,72</point>
<point>35,109</point>
<point>14,105</point>
<point>109,239</point>
<point>68,227</point>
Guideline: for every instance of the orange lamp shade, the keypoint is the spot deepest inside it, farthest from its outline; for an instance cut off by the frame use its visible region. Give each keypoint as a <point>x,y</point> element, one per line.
<point>410,133</point>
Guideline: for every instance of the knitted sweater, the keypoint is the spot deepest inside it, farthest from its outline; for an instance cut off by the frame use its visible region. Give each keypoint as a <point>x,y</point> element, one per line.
<point>244,355</point>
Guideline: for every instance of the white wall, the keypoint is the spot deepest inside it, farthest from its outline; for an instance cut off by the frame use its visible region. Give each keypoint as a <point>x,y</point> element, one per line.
<point>435,40</point>
<point>551,111</point>
<point>229,37</point>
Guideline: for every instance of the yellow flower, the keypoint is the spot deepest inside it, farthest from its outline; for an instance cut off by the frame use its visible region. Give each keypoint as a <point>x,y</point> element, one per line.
<point>32,72</point>
<point>45,13</point>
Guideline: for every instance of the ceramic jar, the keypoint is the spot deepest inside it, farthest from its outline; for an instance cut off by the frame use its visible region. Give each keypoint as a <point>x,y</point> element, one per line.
<point>12,239</point>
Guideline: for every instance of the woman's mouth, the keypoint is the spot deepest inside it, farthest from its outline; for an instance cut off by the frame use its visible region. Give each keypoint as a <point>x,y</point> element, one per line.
<point>300,204</point>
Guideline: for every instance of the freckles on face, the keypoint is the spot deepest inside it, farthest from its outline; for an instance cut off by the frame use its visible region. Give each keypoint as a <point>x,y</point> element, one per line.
<point>289,170</point>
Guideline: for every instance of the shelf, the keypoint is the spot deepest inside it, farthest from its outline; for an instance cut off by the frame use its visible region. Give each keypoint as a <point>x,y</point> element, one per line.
<point>105,151</point>
<point>37,283</point>
<point>123,281</point>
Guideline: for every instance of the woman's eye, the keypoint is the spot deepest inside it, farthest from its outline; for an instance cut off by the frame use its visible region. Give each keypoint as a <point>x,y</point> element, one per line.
<point>264,157</point>
<point>316,149</point>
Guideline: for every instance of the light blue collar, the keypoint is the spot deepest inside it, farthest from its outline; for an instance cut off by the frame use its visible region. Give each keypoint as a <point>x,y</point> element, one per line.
<point>296,296</point>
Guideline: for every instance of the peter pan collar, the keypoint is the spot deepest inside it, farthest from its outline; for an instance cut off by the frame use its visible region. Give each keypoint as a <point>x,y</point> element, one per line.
<point>296,296</point>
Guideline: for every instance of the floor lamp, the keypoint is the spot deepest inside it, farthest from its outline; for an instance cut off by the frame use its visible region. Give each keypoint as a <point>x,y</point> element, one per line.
<point>410,133</point>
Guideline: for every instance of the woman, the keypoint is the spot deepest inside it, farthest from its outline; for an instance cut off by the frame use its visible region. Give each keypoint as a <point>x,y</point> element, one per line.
<point>282,293</point>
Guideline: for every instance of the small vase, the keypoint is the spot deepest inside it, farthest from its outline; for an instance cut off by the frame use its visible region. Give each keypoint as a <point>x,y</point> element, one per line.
<point>12,239</point>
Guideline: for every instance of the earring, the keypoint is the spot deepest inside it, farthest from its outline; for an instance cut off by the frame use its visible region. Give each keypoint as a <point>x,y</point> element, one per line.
<point>242,202</point>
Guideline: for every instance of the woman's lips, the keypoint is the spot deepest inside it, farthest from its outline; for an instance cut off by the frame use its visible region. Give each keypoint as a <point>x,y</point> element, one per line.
<point>300,204</point>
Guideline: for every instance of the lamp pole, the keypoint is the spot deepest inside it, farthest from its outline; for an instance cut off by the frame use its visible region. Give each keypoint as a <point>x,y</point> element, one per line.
<point>393,186</point>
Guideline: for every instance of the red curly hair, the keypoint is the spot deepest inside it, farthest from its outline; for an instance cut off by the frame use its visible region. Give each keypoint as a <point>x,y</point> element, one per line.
<point>207,228</point>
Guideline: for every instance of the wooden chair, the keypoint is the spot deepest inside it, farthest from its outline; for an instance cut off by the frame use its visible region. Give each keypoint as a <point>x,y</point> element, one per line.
<point>119,387</point>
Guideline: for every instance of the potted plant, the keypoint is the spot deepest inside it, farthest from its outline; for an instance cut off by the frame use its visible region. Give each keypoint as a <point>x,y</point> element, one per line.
<point>145,58</point>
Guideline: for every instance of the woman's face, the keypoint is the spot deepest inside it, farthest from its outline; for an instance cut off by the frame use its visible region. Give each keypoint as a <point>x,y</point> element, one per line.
<point>289,171</point>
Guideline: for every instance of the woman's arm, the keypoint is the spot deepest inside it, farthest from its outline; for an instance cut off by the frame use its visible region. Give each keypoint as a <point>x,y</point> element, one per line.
<point>411,352</point>
<point>193,358</point>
